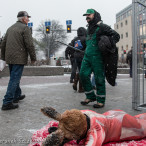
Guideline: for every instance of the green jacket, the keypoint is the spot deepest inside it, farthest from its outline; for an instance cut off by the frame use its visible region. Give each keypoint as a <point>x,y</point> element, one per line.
<point>92,45</point>
<point>17,44</point>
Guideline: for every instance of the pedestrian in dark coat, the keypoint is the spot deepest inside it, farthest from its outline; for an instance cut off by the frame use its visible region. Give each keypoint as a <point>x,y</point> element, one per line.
<point>79,42</point>
<point>16,46</point>
<point>129,61</point>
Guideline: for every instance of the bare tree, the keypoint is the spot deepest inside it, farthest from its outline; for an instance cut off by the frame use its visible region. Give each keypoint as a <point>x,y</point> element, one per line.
<point>47,41</point>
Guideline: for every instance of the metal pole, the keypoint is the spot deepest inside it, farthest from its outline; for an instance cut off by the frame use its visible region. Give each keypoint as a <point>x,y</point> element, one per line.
<point>134,56</point>
<point>143,58</point>
<point>48,45</point>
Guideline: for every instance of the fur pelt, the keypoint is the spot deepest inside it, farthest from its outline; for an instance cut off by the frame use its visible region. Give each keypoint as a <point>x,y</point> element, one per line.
<point>72,126</point>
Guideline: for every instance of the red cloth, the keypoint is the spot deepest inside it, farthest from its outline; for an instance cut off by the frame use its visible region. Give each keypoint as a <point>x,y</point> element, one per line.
<point>113,126</point>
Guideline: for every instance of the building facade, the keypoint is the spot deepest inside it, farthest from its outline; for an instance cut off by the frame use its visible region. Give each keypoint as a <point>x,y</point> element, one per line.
<point>123,26</point>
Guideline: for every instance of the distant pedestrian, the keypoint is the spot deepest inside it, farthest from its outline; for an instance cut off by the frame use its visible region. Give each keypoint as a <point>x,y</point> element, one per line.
<point>79,43</point>
<point>93,59</point>
<point>129,61</point>
<point>76,57</point>
<point>16,46</point>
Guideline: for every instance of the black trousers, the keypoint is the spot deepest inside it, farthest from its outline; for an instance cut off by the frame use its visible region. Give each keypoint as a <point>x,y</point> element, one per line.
<point>73,68</point>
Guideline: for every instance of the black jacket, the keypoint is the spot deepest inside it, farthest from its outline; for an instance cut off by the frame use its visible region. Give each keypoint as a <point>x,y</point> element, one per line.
<point>81,32</point>
<point>110,55</point>
<point>69,52</point>
<point>129,57</point>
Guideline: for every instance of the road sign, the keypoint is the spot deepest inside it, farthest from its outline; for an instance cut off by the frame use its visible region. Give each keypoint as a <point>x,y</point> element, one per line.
<point>30,24</point>
<point>47,23</point>
<point>68,22</point>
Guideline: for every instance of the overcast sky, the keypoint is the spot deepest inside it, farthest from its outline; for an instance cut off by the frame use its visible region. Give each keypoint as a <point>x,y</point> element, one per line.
<point>61,10</point>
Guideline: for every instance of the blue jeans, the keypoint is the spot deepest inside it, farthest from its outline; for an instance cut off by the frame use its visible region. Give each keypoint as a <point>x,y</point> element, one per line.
<point>13,90</point>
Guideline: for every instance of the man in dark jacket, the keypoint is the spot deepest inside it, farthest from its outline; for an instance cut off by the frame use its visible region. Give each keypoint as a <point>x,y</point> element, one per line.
<point>76,57</point>
<point>129,61</point>
<point>16,46</point>
<point>79,42</point>
<point>93,60</point>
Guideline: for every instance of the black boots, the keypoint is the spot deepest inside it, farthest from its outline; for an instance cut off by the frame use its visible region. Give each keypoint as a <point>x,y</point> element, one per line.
<point>19,98</point>
<point>9,106</point>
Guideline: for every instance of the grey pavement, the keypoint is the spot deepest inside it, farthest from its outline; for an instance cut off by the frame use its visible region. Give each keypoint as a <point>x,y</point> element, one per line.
<point>17,126</point>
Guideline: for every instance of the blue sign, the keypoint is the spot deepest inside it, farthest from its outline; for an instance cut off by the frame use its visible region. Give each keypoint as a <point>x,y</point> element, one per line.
<point>68,22</point>
<point>30,24</point>
<point>47,23</point>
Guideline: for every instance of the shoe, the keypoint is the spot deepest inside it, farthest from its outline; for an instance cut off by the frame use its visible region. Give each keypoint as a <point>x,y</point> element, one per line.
<point>86,101</point>
<point>98,105</point>
<point>9,106</point>
<point>19,98</point>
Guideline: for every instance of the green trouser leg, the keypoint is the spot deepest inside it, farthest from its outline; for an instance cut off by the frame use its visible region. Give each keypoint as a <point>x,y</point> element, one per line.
<point>93,64</point>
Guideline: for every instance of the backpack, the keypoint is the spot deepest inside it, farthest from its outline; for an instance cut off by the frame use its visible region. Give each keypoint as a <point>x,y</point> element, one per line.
<point>78,45</point>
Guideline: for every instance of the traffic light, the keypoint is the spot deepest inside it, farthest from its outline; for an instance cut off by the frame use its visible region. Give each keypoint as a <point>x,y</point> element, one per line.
<point>124,51</point>
<point>68,28</point>
<point>47,29</point>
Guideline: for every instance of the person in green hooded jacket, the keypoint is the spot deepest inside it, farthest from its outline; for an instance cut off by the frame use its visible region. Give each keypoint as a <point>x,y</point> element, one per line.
<point>93,61</point>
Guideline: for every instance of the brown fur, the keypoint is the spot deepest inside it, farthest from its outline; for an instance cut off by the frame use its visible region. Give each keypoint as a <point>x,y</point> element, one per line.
<point>72,125</point>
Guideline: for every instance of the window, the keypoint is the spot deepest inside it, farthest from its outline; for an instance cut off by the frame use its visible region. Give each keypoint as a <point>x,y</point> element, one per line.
<point>121,36</point>
<point>121,24</point>
<point>126,22</point>
<point>126,34</point>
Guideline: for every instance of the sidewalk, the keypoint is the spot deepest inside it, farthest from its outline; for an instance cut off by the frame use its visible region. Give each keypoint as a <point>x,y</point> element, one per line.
<point>17,126</point>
